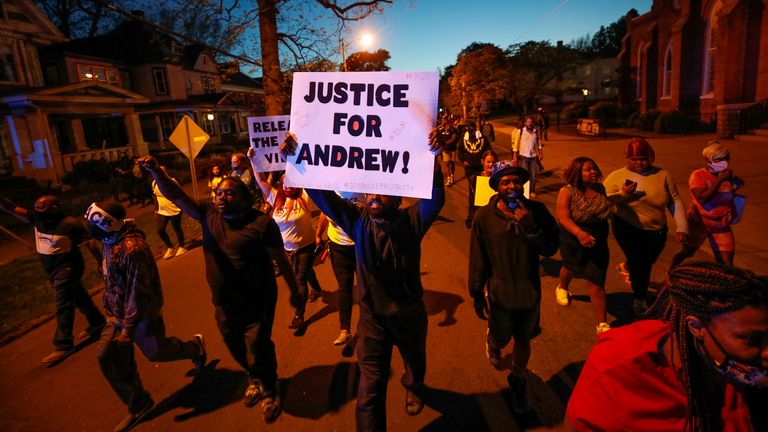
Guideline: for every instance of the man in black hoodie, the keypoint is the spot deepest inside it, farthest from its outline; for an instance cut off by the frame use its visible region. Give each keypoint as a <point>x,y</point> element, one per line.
<point>392,312</point>
<point>133,300</point>
<point>57,241</point>
<point>508,236</point>
<point>471,148</point>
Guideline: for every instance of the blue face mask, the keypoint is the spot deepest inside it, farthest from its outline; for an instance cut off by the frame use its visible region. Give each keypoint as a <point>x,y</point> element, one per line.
<point>511,200</point>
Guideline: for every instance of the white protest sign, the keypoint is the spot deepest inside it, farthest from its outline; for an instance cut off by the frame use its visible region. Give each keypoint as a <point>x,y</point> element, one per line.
<point>364,132</point>
<point>265,135</point>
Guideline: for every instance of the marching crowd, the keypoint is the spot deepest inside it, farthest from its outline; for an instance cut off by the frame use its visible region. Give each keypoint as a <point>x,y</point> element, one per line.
<point>697,359</point>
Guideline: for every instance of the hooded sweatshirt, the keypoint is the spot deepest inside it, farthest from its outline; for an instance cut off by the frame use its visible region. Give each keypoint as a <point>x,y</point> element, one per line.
<point>132,290</point>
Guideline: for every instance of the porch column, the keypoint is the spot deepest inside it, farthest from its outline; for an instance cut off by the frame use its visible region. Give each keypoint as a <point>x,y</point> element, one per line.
<point>78,133</point>
<point>135,138</point>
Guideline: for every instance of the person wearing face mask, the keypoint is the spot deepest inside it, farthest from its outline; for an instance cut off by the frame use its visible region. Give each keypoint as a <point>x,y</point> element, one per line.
<point>133,301</point>
<point>239,246</point>
<point>642,193</point>
<point>392,312</point>
<point>713,190</point>
<point>701,366</point>
<point>509,234</point>
<point>57,241</point>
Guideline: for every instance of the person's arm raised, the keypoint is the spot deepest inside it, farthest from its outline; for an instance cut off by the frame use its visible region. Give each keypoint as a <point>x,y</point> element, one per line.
<point>264,185</point>
<point>170,188</point>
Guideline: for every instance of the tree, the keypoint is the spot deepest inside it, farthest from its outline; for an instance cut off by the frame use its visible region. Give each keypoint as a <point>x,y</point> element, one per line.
<point>365,61</point>
<point>80,18</point>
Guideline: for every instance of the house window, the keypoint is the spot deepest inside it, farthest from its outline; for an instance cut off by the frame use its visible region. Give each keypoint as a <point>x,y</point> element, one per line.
<point>98,73</point>
<point>666,79</point>
<point>710,50</point>
<point>225,125</point>
<point>51,72</point>
<point>7,65</point>
<point>209,85</point>
<point>168,124</point>
<point>161,81</point>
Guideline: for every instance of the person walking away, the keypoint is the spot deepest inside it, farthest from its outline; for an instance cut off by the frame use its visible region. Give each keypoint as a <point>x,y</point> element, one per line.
<point>290,210</point>
<point>583,211</point>
<point>642,193</point>
<point>215,176</point>
<point>239,246</point>
<point>508,236</point>
<point>448,134</point>
<point>343,262</point>
<point>241,168</point>
<point>133,301</point>
<point>486,129</point>
<point>542,121</point>
<point>471,151</point>
<point>167,211</point>
<point>392,311</point>
<point>529,152</point>
<point>713,207</point>
<point>701,365</point>
<point>57,242</point>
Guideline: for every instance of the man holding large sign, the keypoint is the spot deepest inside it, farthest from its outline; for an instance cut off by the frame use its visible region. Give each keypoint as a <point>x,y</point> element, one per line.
<point>387,238</point>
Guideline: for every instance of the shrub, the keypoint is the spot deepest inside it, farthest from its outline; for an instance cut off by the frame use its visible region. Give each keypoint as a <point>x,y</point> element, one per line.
<point>604,111</point>
<point>672,122</point>
<point>647,120</point>
<point>634,120</point>
<point>575,110</point>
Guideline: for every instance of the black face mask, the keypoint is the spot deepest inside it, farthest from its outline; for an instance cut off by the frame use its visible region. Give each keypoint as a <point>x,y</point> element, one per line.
<point>98,233</point>
<point>49,218</point>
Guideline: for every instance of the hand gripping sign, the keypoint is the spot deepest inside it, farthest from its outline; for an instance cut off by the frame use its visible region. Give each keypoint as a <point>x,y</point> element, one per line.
<point>363,132</point>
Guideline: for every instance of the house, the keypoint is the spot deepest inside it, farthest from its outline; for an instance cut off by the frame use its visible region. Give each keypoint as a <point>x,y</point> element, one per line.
<point>594,81</point>
<point>708,58</point>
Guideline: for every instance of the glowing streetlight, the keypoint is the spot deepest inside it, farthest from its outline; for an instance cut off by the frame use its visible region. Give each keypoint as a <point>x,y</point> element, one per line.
<point>209,116</point>
<point>585,92</point>
<point>366,40</point>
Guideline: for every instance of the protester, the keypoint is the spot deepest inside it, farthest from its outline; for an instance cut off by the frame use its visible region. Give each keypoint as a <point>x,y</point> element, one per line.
<point>508,236</point>
<point>702,367</point>
<point>486,129</point>
<point>241,169</point>
<point>239,244</point>
<point>167,211</point>
<point>529,152</point>
<point>141,186</point>
<point>542,121</point>
<point>642,193</point>
<point>514,136</point>
<point>471,151</point>
<point>133,300</point>
<point>392,311</point>
<point>342,249</point>
<point>713,207</point>
<point>583,211</point>
<point>489,159</point>
<point>57,242</point>
<point>448,134</point>
<point>215,176</point>
<point>290,209</point>
<point>122,177</point>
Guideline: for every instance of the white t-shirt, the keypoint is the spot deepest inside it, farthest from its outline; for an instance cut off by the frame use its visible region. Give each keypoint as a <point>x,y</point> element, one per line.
<point>165,207</point>
<point>294,221</point>
<point>529,143</point>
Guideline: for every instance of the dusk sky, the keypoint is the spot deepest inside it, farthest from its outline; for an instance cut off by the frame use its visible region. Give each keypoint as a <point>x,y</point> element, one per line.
<point>428,34</point>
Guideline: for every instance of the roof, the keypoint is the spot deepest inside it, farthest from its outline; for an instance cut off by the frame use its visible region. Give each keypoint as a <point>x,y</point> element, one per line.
<point>242,80</point>
<point>82,92</point>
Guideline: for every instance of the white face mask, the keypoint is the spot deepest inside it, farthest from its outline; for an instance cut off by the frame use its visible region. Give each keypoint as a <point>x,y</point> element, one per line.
<point>717,167</point>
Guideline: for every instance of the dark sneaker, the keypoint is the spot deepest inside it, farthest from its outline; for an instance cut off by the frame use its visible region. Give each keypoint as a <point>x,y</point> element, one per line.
<point>413,403</point>
<point>55,356</point>
<point>270,407</point>
<point>518,384</point>
<point>253,394</point>
<point>202,355</point>
<point>297,323</point>
<point>313,296</point>
<point>132,420</point>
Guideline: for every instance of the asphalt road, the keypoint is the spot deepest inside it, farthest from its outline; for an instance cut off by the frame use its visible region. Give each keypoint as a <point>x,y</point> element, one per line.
<point>318,379</point>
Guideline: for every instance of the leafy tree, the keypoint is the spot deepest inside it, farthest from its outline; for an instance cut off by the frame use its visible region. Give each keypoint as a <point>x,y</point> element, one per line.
<point>80,18</point>
<point>365,61</point>
<point>479,76</point>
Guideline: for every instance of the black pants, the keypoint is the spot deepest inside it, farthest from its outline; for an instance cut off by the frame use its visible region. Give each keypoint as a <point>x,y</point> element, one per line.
<point>469,173</point>
<point>119,366</point>
<point>642,248</point>
<point>248,336</point>
<point>162,224</point>
<point>407,330</point>
<point>344,264</point>
<point>70,294</point>
<point>302,261</point>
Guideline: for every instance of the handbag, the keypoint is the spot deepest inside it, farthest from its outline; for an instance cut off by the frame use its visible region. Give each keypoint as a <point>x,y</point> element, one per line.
<point>739,203</point>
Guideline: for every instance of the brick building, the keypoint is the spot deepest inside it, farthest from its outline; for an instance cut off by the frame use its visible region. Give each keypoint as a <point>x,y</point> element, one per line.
<point>708,58</point>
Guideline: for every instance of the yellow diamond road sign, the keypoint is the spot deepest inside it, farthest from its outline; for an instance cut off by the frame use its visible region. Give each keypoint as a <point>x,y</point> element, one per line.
<point>189,137</point>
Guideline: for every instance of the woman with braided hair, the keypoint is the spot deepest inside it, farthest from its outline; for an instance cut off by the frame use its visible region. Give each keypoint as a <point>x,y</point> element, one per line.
<point>703,366</point>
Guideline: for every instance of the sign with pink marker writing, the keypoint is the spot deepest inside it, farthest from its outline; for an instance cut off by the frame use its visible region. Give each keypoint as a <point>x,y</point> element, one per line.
<point>365,132</point>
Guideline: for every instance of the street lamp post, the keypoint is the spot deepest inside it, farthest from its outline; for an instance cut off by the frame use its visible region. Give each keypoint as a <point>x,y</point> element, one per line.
<point>585,92</point>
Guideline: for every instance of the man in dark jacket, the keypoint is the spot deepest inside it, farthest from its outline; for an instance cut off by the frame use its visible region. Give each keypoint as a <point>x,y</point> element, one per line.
<point>57,241</point>
<point>508,236</point>
<point>472,145</point>
<point>133,300</point>
<point>392,312</point>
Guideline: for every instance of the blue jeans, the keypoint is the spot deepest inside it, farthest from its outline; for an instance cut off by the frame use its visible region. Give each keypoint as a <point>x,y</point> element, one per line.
<point>532,166</point>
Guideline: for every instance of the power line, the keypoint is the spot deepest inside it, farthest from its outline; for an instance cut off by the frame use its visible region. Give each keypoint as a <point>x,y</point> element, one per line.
<point>549,14</point>
<point>129,15</point>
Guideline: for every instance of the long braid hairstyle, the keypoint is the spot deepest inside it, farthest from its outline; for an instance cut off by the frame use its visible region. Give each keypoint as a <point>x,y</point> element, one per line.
<point>702,290</point>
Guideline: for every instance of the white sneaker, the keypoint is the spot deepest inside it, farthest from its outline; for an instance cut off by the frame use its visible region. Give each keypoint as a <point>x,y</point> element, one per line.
<point>168,254</point>
<point>603,327</point>
<point>181,251</point>
<point>639,307</point>
<point>563,296</point>
<point>342,339</point>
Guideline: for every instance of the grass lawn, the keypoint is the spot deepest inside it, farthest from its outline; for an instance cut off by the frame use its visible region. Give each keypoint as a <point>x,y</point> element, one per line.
<point>26,294</point>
